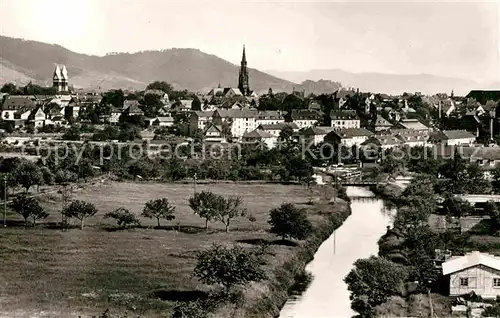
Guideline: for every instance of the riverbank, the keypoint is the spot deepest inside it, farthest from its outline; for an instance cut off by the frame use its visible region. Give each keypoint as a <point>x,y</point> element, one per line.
<point>267,298</point>
<point>388,192</point>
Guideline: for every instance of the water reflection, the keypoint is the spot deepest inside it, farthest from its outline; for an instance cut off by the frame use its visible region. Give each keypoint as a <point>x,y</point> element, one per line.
<point>327,295</point>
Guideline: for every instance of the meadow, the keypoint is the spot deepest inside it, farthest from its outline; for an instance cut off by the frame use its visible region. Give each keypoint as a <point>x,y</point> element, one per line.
<point>45,270</point>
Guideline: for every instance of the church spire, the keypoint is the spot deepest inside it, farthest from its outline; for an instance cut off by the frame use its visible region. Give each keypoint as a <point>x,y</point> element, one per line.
<point>243,83</point>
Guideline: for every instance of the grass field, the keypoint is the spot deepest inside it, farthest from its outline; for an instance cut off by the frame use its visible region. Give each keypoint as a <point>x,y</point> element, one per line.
<point>66,274</point>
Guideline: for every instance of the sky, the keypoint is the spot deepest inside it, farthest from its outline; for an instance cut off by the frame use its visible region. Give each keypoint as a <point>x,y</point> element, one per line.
<point>456,39</point>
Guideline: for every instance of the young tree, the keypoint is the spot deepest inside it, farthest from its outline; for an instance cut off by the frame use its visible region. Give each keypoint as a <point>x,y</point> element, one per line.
<point>204,204</point>
<point>47,176</point>
<point>229,209</point>
<point>159,209</point>
<point>289,221</point>
<point>228,266</point>
<point>124,218</point>
<point>457,207</point>
<point>372,281</point>
<point>80,210</point>
<point>28,207</point>
<point>27,174</point>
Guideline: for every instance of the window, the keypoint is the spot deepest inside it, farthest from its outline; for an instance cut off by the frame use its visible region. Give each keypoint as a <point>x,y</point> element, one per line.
<point>464,282</point>
<point>496,282</point>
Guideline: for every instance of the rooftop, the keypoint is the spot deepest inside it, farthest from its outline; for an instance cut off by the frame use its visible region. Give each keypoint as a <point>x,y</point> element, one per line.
<point>459,263</point>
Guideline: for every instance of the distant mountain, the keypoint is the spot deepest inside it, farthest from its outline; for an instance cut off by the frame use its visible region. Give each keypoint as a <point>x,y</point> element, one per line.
<point>22,61</point>
<point>389,83</point>
<point>318,87</point>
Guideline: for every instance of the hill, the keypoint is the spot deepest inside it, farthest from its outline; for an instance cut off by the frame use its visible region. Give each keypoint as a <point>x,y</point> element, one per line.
<point>22,61</point>
<point>388,83</point>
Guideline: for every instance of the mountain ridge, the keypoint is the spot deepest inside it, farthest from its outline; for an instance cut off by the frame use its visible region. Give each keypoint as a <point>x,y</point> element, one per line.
<point>25,60</point>
<point>389,83</point>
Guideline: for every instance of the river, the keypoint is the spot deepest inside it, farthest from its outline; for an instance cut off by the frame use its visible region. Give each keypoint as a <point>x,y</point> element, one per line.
<point>327,295</point>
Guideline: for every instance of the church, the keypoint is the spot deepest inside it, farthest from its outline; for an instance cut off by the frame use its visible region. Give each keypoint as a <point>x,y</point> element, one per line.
<point>60,79</point>
<point>242,91</point>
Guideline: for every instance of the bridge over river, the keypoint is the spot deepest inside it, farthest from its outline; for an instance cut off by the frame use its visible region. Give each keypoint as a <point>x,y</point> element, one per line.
<point>479,198</point>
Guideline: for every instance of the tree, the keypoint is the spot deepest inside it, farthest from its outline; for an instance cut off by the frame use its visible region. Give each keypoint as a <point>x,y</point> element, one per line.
<point>457,207</point>
<point>204,204</point>
<point>163,86</point>
<point>72,133</point>
<point>28,207</point>
<point>289,221</point>
<point>123,217</point>
<point>372,281</point>
<point>64,176</point>
<point>299,168</point>
<point>27,174</point>
<point>229,209</point>
<point>196,104</point>
<point>9,88</point>
<point>159,209</point>
<point>228,266</point>
<point>80,210</point>
<point>47,176</point>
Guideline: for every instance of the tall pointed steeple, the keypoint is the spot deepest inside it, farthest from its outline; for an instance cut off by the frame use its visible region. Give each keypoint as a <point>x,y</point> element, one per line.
<point>243,83</point>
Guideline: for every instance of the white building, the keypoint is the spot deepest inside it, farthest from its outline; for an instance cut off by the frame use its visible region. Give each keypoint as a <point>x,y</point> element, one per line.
<point>305,118</point>
<point>453,138</point>
<point>345,119</point>
<point>260,136</point>
<point>200,119</point>
<point>316,135</point>
<point>241,121</point>
<point>275,129</point>
<point>348,137</point>
<point>269,117</point>
<point>474,272</point>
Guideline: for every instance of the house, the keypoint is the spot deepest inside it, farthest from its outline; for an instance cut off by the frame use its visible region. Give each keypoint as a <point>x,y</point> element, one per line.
<point>115,114</point>
<point>414,124</point>
<point>483,96</point>
<point>269,117</point>
<point>446,107</point>
<point>260,136</point>
<point>134,110</point>
<point>383,141</point>
<point>13,104</point>
<point>200,119</point>
<point>453,137</point>
<point>411,137</point>
<point>315,134</point>
<point>342,95</point>
<point>184,105</point>
<point>348,137</point>
<point>345,119</point>
<point>474,272</point>
<point>130,103</point>
<point>213,133</point>
<point>164,121</point>
<point>275,129</point>
<point>163,96</point>
<point>241,121</point>
<point>314,106</point>
<point>304,118</point>
<point>382,124</point>
<point>37,118</point>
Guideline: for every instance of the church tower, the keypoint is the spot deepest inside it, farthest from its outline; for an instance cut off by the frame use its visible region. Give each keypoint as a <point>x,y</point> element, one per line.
<point>64,79</point>
<point>243,84</point>
<point>56,79</point>
<point>60,79</point>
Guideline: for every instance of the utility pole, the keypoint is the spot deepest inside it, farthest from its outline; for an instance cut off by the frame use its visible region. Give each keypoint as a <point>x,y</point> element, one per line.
<point>194,184</point>
<point>5,201</point>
